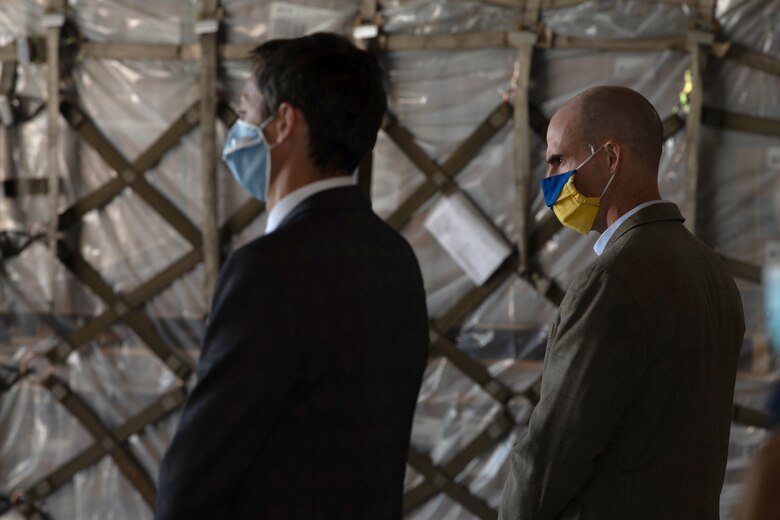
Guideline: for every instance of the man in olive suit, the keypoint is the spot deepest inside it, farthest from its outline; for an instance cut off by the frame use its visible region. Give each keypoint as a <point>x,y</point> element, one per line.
<point>634,417</point>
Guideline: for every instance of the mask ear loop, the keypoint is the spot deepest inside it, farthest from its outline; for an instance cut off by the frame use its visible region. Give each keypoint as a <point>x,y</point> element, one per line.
<point>262,127</point>
<point>608,183</point>
<point>269,147</point>
<point>592,155</point>
<point>266,121</point>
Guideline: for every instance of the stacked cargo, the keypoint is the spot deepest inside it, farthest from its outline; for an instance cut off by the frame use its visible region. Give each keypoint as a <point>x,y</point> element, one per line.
<point>118,324</point>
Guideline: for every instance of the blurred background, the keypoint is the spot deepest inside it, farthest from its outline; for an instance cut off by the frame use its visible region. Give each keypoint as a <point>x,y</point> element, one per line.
<point>115,213</point>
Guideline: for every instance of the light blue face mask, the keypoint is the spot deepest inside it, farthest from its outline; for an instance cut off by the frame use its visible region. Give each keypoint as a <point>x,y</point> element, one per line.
<point>247,155</point>
<point>771,278</point>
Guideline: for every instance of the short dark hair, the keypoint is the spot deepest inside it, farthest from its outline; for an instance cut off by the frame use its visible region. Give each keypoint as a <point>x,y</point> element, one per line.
<point>336,86</point>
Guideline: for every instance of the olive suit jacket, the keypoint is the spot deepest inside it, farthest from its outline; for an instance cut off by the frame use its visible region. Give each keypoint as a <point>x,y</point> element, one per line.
<point>308,376</point>
<point>634,417</point>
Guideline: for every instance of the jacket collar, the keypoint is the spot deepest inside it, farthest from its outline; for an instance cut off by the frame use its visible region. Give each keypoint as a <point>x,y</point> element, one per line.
<point>336,199</point>
<point>654,213</point>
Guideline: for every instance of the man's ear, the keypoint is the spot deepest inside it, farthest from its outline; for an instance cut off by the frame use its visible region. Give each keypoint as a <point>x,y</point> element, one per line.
<point>287,118</point>
<point>614,154</point>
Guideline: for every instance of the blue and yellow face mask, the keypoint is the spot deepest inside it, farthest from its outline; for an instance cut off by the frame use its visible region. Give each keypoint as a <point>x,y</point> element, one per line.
<point>573,209</point>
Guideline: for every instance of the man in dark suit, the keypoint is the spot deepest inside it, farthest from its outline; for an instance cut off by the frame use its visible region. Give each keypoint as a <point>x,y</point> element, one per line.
<point>318,338</point>
<point>636,399</point>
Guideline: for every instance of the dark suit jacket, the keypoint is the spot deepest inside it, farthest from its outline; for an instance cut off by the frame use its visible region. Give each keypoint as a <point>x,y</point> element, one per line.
<point>308,377</point>
<point>635,410</point>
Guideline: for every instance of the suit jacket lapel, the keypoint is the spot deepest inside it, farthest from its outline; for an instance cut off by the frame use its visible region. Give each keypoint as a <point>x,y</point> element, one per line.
<point>653,213</point>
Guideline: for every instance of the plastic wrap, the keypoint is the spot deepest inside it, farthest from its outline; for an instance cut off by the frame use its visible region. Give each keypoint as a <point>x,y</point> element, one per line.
<point>753,23</point>
<point>743,443</point>
<point>747,168</point>
<point>444,281</point>
<point>23,156</point>
<point>512,323</point>
<point>441,112</point>
<point>736,203</point>
<point>440,97</point>
<point>435,16</point>
<point>399,178</point>
<point>38,435</point>
<point>253,21</point>
<point>619,19</point>
<point>132,103</point>
<point>451,412</point>
<point>169,21</point>
<point>20,18</point>
<point>738,206</point>
<point>29,289</point>
<point>22,142</point>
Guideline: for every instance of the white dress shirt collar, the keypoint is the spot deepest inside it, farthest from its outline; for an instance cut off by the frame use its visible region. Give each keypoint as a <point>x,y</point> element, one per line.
<point>291,201</point>
<point>601,243</point>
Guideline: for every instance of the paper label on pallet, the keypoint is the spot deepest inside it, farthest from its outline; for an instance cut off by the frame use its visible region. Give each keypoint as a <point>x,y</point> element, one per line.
<point>773,158</point>
<point>291,20</point>
<point>469,239</point>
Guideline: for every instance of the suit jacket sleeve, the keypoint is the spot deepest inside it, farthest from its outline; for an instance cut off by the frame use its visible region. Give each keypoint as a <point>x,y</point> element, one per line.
<point>244,374</point>
<point>594,365</point>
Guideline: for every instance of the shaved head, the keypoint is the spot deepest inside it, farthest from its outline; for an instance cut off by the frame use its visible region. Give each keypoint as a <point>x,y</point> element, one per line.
<point>619,113</point>
<point>620,135</point>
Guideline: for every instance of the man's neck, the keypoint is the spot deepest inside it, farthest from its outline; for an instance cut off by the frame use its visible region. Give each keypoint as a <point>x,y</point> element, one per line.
<point>287,204</point>
<point>618,208</point>
<point>289,179</point>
